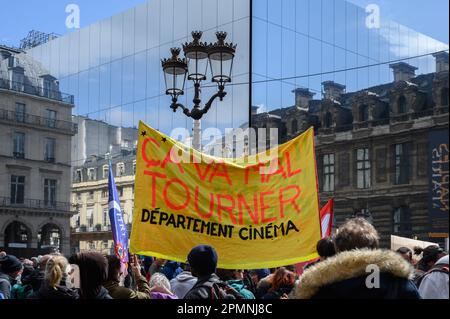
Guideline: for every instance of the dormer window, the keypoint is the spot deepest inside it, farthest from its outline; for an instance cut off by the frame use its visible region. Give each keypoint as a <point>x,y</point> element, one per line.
<point>328,121</point>
<point>444,97</point>
<point>294,126</point>
<point>17,80</point>
<point>105,171</point>
<point>91,174</point>
<point>364,113</point>
<point>120,169</point>
<point>402,105</point>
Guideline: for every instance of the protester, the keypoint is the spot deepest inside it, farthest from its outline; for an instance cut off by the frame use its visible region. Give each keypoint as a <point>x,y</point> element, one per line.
<point>406,253</point>
<point>435,283</point>
<point>325,249</point>
<point>114,277</point>
<point>160,287</point>
<point>30,281</point>
<point>156,266</point>
<point>430,255</point>
<point>281,284</point>
<point>93,272</point>
<point>182,283</point>
<point>10,269</point>
<point>203,262</point>
<point>54,284</point>
<point>346,275</point>
<point>235,279</point>
<point>171,269</point>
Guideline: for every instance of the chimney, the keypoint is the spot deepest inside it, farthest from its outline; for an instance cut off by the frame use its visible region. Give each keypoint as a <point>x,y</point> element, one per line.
<point>302,98</point>
<point>332,90</point>
<point>403,71</point>
<point>255,110</point>
<point>441,61</point>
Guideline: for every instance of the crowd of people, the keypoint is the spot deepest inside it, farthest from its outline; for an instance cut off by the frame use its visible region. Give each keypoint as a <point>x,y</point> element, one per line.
<point>351,265</point>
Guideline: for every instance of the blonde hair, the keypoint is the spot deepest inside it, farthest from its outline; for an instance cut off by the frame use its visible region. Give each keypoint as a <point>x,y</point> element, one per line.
<point>55,269</point>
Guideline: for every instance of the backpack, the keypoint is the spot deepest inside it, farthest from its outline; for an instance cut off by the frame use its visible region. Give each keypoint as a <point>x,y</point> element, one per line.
<point>221,290</point>
<point>438,268</point>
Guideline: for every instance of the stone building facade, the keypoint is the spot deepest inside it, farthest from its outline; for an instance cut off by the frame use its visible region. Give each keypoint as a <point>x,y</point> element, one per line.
<point>372,146</point>
<point>35,157</point>
<point>90,226</point>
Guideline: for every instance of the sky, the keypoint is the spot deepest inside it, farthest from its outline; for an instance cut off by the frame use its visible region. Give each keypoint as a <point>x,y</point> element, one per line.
<point>425,16</point>
<point>430,17</point>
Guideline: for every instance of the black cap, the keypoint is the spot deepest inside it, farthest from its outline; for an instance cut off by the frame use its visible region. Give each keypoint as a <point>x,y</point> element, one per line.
<point>203,259</point>
<point>10,264</point>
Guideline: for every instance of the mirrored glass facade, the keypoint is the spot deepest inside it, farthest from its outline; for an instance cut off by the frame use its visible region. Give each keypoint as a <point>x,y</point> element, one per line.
<point>302,43</point>
<point>113,67</point>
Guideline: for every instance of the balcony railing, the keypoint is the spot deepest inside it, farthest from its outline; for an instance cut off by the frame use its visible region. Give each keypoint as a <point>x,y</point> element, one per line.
<point>36,90</point>
<point>29,119</point>
<point>36,204</point>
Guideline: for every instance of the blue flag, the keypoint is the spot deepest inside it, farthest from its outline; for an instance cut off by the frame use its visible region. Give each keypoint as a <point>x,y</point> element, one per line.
<point>118,226</point>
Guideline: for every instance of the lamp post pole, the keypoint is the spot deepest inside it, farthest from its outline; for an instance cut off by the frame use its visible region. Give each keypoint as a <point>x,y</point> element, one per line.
<point>198,55</point>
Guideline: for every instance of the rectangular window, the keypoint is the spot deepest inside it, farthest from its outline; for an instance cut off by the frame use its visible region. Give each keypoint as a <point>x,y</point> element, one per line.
<point>106,221</point>
<point>120,191</point>
<point>134,167</point>
<point>17,189</point>
<point>49,152</point>
<point>91,174</point>
<point>19,145</point>
<point>51,118</point>
<point>90,218</point>
<point>20,112</point>
<point>328,173</point>
<point>78,176</point>
<point>49,192</point>
<point>363,168</point>
<point>120,169</point>
<point>91,195</point>
<point>401,164</point>
<point>401,221</point>
<point>105,171</point>
<point>104,193</point>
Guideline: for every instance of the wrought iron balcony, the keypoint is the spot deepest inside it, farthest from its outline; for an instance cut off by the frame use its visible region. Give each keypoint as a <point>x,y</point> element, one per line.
<point>7,202</point>
<point>25,118</point>
<point>36,90</point>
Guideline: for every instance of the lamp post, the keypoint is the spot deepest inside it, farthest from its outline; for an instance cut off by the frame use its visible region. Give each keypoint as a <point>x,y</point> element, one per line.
<point>194,65</point>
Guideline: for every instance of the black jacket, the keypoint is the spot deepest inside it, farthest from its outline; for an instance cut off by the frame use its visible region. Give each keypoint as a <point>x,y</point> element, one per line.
<point>58,292</point>
<point>211,287</point>
<point>350,275</point>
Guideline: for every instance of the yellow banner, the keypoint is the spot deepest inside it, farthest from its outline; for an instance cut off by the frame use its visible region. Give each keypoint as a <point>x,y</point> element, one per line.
<point>258,212</point>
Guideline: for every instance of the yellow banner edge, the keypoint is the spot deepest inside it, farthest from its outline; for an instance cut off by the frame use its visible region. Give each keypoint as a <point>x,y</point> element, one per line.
<point>258,265</point>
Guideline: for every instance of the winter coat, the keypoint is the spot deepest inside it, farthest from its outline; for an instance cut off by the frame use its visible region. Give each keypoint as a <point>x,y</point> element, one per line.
<point>346,275</point>
<point>5,286</point>
<point>181,284</point>
<point>57,292</point>
<point>103,294</point>
<point>239,286</point>
<point>435,283</point>
<point>119,292</point>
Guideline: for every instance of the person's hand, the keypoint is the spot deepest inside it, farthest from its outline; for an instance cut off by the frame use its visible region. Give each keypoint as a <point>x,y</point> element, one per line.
<point>136,268</point>
<point>284,296</point>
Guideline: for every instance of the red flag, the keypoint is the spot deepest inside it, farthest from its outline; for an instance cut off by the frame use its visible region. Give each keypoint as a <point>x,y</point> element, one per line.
<point>326,218</point>
<point>326,222</point>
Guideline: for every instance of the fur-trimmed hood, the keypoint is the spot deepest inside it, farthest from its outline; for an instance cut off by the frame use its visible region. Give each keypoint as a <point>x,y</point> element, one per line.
<point>348,265</point>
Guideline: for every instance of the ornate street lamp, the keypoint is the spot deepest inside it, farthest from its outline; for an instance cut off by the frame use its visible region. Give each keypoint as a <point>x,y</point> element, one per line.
<point>220,56</point>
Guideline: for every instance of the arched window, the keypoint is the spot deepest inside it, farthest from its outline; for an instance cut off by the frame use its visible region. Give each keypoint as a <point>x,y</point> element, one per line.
<point>294,126</point>
<point>328,122</point>
<point>444,97</point>
<point>402,105</point>
<point>17,235</point>
<point>364,113</point>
